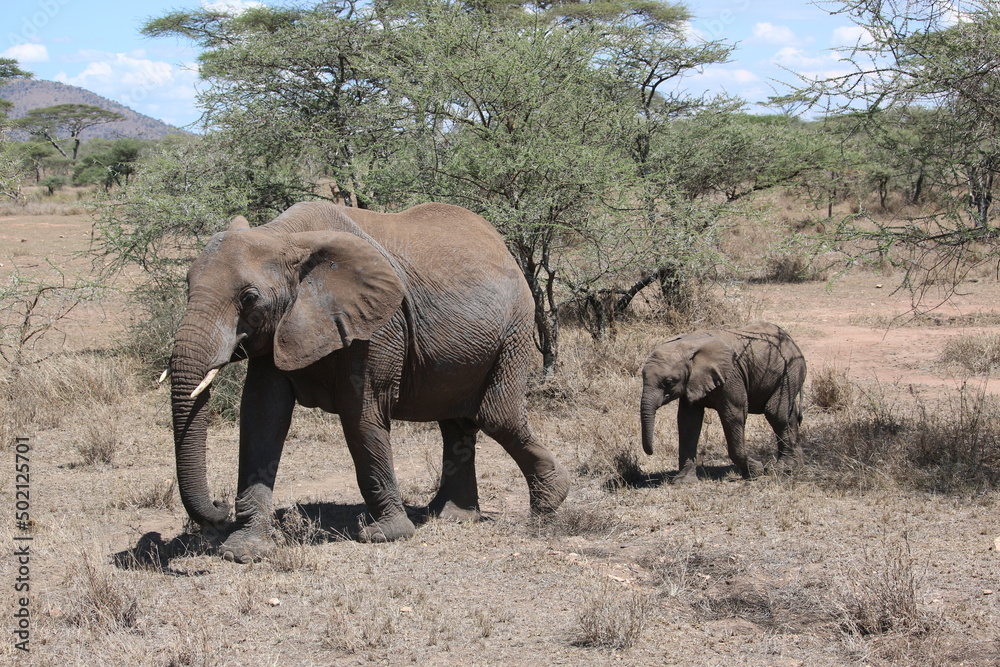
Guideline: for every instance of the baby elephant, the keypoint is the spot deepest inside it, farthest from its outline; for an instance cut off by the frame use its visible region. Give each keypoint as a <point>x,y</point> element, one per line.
<point>757,370</point>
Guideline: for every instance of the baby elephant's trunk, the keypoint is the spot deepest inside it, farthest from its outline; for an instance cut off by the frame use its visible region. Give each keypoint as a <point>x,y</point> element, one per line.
<point>652,399</point>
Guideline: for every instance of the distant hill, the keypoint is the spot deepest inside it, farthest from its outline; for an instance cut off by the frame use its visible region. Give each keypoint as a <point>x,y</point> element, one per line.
<point>33,94</point>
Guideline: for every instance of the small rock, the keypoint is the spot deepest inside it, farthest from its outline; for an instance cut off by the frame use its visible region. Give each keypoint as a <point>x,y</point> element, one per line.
<point>274,602</point>
<point>879,286</point>
<point>405,610</point>
<point>987,591</point>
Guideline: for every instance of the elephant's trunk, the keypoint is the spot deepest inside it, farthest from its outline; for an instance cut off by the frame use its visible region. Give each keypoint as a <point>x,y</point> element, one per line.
<point>191,362</point>
<point>652,399</point>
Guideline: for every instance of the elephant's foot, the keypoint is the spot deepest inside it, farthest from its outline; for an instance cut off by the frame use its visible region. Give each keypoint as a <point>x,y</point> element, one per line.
<point>683,478</point>
<point>456,503</point>
<point>451,511</point>
<point>688,474</point>
<point>548,490</point>
<point>753,468</point>
<point>250,543</point>
<point>387,529</point>
<point>789,462</point>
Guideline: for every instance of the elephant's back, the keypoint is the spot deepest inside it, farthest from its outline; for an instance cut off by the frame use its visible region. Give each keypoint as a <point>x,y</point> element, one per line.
<point>449,250</point>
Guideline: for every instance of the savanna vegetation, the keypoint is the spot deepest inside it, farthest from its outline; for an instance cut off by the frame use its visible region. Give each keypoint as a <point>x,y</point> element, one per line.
<point>634,210</point>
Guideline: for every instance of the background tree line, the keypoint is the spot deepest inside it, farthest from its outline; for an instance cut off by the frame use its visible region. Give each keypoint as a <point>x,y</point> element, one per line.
<point>565,124</point>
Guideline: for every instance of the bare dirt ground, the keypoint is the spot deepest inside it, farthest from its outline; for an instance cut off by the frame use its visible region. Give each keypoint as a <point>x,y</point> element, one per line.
<point>777,571</point>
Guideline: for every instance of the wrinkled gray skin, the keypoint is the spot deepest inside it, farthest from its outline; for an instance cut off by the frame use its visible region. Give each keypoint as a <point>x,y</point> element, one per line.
<point>757,370</point>
<point>421,315</point>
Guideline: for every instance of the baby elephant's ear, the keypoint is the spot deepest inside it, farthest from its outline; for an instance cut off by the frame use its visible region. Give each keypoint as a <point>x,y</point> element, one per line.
<point>711,365</point>
<point>347,291</point>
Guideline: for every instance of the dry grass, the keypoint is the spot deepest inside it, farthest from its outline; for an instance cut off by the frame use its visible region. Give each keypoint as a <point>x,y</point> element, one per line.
<point>785,569</point>
<point>831,389</point>
<point>879,595</point>
<point>947,445</point>
<point>611,618</point>
<point>159,496</point>
<point>103,597</point>
<point>977,354</point>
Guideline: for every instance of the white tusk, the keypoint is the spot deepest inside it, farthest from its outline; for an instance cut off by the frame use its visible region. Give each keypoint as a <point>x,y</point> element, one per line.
<point>204,383</point>
<point>166,374</point>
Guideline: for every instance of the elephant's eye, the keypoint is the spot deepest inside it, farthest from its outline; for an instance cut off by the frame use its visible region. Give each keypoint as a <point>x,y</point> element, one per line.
<point>249,298</point>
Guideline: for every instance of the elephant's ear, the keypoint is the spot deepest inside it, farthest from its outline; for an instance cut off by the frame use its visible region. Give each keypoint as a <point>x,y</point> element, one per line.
<point>711,365</point>
<point>347,290</point>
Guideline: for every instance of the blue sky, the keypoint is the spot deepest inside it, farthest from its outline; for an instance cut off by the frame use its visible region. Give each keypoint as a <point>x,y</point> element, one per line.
<point>96,44</point>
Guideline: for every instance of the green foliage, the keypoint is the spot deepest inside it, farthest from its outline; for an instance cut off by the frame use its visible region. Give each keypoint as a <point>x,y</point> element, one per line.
<point>114,165</point>
<point>542,117</point>
<point>11,166</point>
<point>63,123</point>
<point>923,91</point>
<point>53,183</point>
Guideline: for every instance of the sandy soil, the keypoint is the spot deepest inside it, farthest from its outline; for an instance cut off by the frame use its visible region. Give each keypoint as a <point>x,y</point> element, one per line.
<point>724,572</point>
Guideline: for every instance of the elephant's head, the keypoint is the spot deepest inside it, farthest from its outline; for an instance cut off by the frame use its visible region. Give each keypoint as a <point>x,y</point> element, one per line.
<point>251,292</point>
<point>688,367</point>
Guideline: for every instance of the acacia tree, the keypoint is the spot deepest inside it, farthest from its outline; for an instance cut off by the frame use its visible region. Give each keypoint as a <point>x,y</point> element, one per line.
<point>937,63</point>
<point>533,114</point>
<point>11,165</point>
<point>68,120</point>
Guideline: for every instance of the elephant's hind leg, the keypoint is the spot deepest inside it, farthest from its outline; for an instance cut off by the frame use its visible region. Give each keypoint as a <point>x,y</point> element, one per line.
<point>503,415</point>
<point>786,429</point>
<point>548,481</point>
<point>458,496</point>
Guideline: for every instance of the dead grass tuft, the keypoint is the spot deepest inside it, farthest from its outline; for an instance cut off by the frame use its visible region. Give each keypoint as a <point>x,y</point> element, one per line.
<point>364,617</point>
<point>300,534</point>
<point>103,437</point>
<point>951,445</point>
<point>160,496</point>
<point>617,465</point>
<point>573,520</point>
<point>611,618</point>
<point>879,596</point>
<point>977,354</point>
<point>791,268</point>
<point>105,597</point>
<point>831,389</point>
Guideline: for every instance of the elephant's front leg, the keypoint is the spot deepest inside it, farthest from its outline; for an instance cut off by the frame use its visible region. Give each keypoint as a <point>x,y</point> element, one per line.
<point>689,421</point>
<point>265,415</point>
<point>733,420</point>
<point>458,496</point>
<point>368,441</point>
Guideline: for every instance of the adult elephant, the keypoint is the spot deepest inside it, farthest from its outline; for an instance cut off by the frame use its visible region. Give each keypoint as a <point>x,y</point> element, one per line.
<point>421,315</point>
<point>756,370</point>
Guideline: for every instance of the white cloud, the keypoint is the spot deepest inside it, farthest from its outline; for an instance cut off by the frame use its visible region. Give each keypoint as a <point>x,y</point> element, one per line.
<point>796,58</point>
<point>27,53</point>
<point>769,33</point>
<point>724,75</point>
<point>850,35</point>
<point>232,7</point>
<point>148,86</point>
<point>693,34</point>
